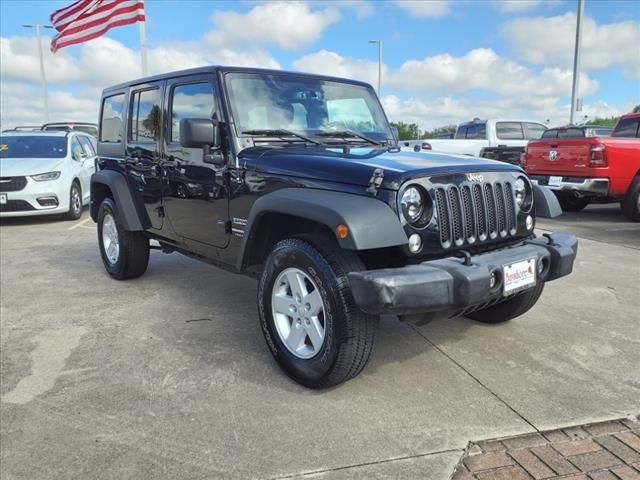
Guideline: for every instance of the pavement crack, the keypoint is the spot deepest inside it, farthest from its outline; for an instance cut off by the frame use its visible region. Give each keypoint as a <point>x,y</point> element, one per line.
<point>364,464</point>
<point>455,362</point>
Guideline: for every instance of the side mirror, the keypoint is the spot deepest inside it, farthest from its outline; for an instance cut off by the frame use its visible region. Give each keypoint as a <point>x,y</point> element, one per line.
<point>199,132</point>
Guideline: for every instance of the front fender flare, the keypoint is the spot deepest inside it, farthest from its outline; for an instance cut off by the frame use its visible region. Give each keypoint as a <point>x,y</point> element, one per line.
<point>133,218</point>
<point>371,222</point>
<point>546,203</point>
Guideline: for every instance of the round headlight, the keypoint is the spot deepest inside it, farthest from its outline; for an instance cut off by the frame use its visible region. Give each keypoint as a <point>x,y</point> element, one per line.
<point>412,204</point>
<point>523,193</point>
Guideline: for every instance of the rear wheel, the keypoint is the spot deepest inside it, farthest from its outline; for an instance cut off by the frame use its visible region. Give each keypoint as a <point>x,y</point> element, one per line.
<point>307,313</point>
<point>631,203</point>
<point>571,203</point>
<point>75,202</point>
<point>124,254</point>
<point>512,308</point>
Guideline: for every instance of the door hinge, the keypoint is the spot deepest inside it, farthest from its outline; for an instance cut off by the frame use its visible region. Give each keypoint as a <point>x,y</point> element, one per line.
<point>160,211</point>
<point>226,224</point>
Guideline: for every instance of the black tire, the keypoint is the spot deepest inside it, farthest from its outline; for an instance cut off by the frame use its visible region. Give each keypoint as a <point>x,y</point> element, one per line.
<point>512,308</point>
<point>75,202</point>
<point>631,203</point>
<point>349,333</point>
<point>571,203</point>
<point>133,257</point>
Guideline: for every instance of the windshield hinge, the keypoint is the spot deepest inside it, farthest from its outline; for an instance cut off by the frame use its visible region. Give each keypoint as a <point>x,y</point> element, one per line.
<point>375,181</point>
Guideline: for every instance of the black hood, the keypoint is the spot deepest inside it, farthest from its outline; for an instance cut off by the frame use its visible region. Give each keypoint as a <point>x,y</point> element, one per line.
<point>356,167</point>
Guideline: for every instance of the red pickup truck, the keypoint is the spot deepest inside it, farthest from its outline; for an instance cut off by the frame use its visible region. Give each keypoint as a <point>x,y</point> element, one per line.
<point>578,165</point>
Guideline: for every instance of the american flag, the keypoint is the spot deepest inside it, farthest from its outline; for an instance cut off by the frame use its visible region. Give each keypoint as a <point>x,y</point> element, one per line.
<point>87,19</point>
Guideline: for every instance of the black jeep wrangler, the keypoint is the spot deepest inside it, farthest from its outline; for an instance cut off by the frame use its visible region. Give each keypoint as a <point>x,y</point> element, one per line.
<point>297,180</point>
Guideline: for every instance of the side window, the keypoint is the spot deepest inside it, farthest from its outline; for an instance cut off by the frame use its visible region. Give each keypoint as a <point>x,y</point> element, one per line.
<point>77,152</point>
<point>627,127</point>
<point>571,133</point>
<point>111,119</point>
<point>194,100</point>
<point>534,130</point>
<point>86,144</point>
<point>550,134</point>
<point>145,116</point>
<point>509,131</point>
<point>476,132</point>
<point>461,132</point>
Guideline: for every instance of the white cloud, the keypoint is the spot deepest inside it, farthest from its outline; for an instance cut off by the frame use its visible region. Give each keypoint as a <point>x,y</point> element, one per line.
<point>290,25</point>
<point>429,113</point>
<point>483,69</point>
<point>551,41</point>
<point>516,6</point>
<point>362,8</point>
<point>331,63</point>
<point>425,8</point>
<point>480,70</point>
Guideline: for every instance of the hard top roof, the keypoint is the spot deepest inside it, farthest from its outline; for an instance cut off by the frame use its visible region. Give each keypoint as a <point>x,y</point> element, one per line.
<point>226,69</point>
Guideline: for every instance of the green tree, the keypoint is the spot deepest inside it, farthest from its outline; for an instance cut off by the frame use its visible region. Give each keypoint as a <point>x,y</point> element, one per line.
<point>407,131</point>
<point>636,109</point>
<point>605,122</point>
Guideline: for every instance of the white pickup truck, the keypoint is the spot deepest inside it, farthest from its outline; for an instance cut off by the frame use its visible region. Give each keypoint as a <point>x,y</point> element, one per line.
<point>502,140</point>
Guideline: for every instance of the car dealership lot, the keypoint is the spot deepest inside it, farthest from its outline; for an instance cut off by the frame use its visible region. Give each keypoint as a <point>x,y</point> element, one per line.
<point>168,376</point>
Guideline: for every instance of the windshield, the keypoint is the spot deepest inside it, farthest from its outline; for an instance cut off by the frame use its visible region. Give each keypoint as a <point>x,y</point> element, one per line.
<point>304,105</point>
<point>33,147</point>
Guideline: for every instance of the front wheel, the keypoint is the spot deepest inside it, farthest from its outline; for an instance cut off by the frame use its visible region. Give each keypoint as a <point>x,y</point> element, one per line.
<point>309,319</point>
<point>124,254</point>
<point>571,203</point>
<point>511,308</point>
<point>75,203</point>
<point>631,203</point>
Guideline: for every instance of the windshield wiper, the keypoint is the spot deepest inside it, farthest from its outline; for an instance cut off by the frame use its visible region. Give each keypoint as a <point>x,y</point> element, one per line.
<point>281,133</point>
<point>348,134</point>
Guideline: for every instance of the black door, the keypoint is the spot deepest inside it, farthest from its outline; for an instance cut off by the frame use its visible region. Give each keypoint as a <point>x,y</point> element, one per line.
<point>144,130</point>
<point>195,195</point>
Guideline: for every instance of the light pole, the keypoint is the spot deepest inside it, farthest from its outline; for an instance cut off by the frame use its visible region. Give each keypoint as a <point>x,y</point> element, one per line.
<point>576,64</point>
<point>43,79</point>
<point>379,42</point>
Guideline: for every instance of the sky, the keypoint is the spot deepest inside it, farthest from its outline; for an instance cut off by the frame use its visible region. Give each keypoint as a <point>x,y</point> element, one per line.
<point>443,61</point>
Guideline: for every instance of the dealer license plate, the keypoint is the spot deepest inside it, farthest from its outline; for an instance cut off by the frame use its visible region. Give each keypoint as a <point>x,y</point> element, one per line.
<point>554,181</point>
<point>519,276</point>
<point>3,198</point>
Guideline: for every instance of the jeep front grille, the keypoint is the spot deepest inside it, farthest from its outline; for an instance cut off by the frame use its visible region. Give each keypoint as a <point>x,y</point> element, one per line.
<point>12,184</point>
<point>473,213</point>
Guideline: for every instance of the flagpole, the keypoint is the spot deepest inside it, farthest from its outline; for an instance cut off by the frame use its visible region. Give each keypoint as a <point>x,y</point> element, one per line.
<point>43,78</point>
<point>575,94</point>
<point>143,47</point>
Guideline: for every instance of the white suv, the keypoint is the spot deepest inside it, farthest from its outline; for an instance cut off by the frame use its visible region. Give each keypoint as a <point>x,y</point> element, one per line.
<point>43,173</point>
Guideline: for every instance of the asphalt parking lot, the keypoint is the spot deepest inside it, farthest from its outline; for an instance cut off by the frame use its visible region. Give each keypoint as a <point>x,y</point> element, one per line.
<point>168,376</point>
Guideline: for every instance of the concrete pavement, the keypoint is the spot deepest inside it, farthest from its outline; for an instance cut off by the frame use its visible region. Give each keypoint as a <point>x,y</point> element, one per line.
<point>168,376</point>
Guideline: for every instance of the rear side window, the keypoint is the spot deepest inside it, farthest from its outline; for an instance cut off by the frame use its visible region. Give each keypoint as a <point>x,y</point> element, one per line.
<point>534,131</point>
<point>550,134</point>
<point>627,127</point>
<point>509,131</point>
<point>476,132</point>
<point>145,116</point>
<point>571,133</point>
<point>194,100</point>
<point>111,119</point>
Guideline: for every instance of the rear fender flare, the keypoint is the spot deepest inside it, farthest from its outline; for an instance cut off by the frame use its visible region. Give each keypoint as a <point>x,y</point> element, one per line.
<point>133,217</point>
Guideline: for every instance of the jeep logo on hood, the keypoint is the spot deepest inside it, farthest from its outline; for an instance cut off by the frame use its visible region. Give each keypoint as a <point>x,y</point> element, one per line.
<point>475,177</point>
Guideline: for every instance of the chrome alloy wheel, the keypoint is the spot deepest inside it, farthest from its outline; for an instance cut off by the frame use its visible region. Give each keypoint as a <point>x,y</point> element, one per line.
<point>110,241</point>
<point>76,201</point>
<point>298,312</point>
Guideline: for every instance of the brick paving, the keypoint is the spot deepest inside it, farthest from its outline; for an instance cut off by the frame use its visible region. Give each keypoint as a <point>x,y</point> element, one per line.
<point>599,451</point>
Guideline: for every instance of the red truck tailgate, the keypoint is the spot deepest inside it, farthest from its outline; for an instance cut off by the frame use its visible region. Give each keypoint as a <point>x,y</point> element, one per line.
<point>562,156</point>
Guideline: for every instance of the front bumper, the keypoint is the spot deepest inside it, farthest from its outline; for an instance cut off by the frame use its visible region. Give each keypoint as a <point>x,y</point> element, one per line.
<point>22,203</point>
<point>584,186</point>
<point>448,285</point>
